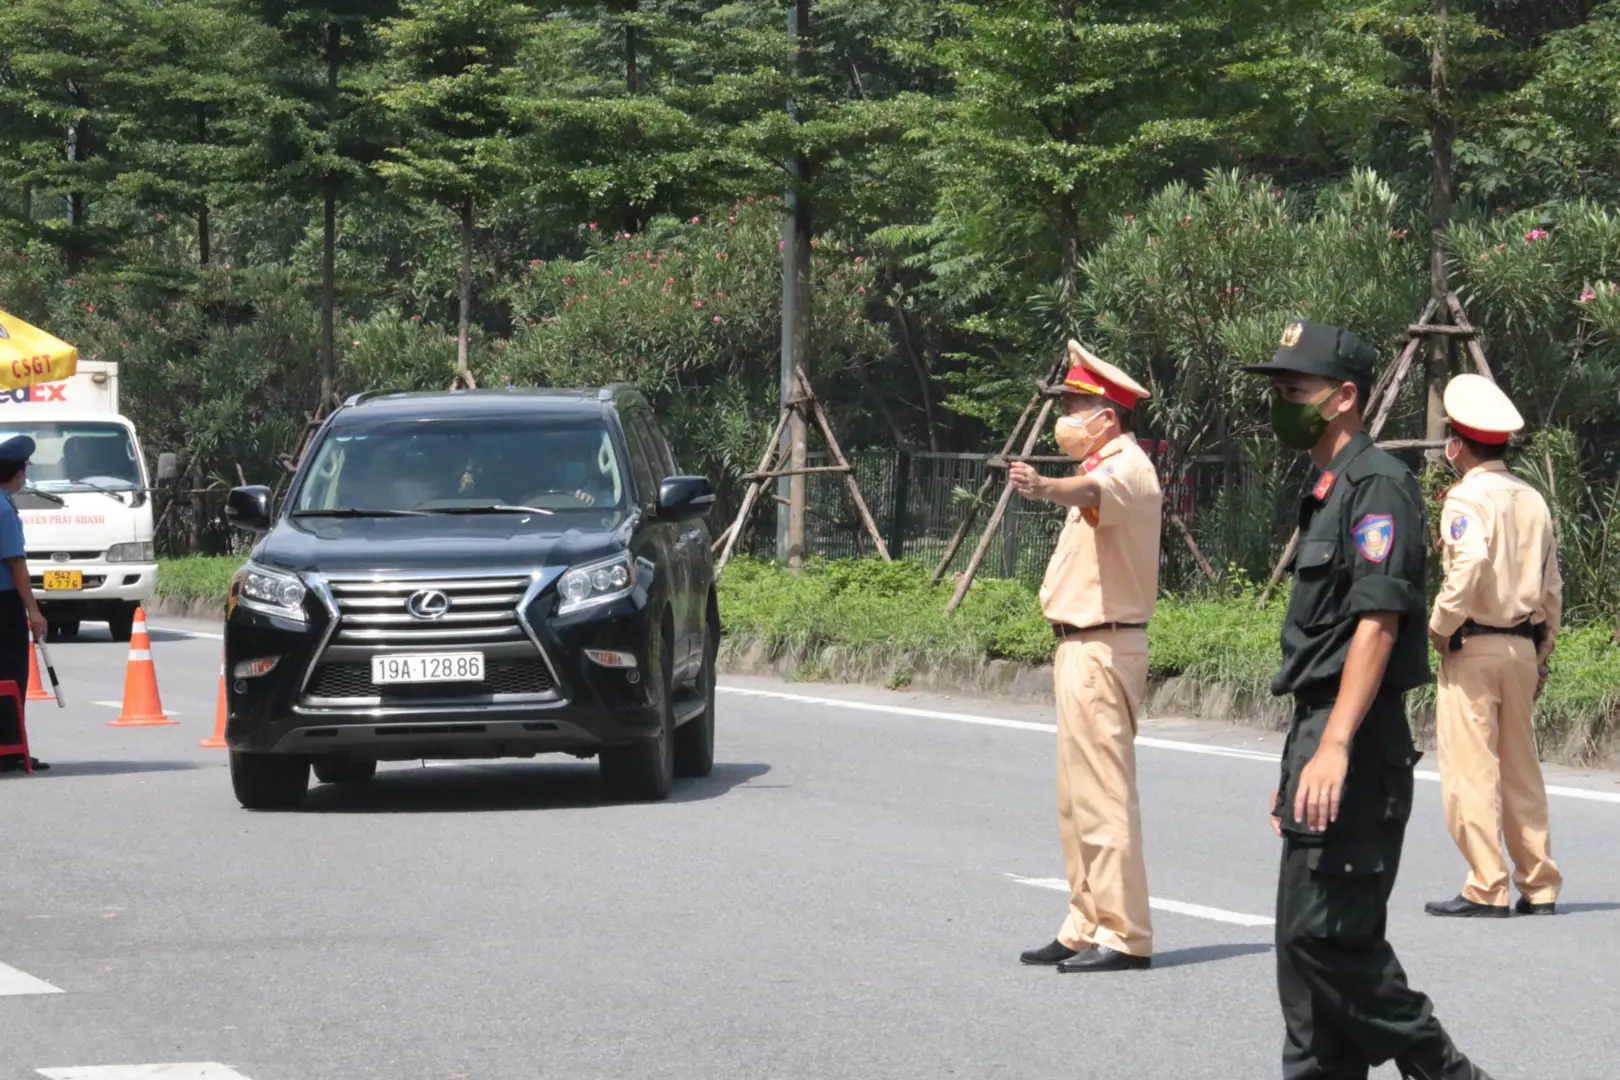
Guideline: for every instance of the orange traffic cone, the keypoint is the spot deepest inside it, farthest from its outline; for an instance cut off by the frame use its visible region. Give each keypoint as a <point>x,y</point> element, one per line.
<point>36,688</point>
<point>142,708</point>
<point>217,740</point>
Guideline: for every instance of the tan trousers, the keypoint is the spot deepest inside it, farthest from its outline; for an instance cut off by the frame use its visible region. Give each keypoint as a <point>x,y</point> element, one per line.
<point>1101,680</point>
<point>1490,779</point>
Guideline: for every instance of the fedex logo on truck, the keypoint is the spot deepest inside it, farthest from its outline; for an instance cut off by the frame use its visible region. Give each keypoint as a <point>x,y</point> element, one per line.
<point>40,392</point>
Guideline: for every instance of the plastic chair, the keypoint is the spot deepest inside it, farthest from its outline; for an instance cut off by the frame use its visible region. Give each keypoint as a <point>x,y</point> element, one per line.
<point>8,689</point>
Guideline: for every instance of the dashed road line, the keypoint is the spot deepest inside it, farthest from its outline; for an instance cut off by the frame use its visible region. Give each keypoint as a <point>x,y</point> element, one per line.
<point>1177,745</point>
<point>120,705</point>
<point>14,983</point>
<point>1177,907</point>
<point>196,1070</point>
<point>190,633</point>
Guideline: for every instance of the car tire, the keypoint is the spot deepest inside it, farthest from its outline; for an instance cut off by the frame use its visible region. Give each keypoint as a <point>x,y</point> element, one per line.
<point>62,631</point>
<point>694,740</point>
<point>269,781</point>
<point>645,771</point>
<point>121,623</point>
<point>343,771</point>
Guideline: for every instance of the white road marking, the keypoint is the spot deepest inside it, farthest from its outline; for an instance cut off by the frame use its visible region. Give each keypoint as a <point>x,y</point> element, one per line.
<point>1197,911</point>
<point>14,983</point>
<point>1141,740</point>
<point>190,633</point>
<point>197,1070</point>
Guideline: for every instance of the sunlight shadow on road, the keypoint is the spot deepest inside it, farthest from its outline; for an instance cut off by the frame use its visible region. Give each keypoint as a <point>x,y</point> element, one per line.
<point>449,788</point>
<point>104,768</point>
<point>1207,954</point>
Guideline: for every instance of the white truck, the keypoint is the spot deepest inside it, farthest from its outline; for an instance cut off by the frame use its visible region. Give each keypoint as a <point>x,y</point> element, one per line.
<point>87,506</point>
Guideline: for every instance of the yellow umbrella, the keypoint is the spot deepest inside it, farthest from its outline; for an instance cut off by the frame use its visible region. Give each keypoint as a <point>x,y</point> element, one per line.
<point>29,355</point>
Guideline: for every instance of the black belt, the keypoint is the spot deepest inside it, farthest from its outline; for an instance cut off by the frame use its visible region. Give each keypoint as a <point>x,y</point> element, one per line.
<point>1526,629</point>
<point>1064,630</point>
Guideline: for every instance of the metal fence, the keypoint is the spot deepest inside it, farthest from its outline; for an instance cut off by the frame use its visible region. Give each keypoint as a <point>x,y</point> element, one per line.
<point>919,499</point>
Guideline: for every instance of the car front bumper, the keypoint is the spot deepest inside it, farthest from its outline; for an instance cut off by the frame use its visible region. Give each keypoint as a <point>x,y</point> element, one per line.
<point>103,583</point>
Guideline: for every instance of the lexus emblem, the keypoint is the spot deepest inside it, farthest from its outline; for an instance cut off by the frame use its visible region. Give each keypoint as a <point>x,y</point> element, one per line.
<point>428,604</point>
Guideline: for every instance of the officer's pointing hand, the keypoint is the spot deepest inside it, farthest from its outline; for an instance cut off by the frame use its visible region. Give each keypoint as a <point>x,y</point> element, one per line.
<point>1320,786</point>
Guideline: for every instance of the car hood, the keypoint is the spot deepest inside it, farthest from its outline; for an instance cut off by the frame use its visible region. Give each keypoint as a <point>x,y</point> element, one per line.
<point>441,542</point>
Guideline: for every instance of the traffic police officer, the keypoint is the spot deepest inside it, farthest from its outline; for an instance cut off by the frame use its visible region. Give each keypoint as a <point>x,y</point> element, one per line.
<point>1099,593</point>
<point>1353,643</point>
<point>20,618</point>
<point>1494,625</point>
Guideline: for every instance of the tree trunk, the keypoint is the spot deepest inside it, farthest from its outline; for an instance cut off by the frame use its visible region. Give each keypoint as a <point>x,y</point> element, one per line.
<point>1068,212</point>
<point>329,294</point>
<point>464,317</point>
<point>1442,133</point>
<point>630,50</point>
<point>334,67</point>
<point>796,309</point>
<point>204,238</point>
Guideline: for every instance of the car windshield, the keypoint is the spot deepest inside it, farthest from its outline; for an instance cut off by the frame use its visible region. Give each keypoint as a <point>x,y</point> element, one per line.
<point>79,456</point>
<point>456,466</point>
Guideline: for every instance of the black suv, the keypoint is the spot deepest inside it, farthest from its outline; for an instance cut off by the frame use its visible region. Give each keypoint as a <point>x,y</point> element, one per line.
<point>474,574</point>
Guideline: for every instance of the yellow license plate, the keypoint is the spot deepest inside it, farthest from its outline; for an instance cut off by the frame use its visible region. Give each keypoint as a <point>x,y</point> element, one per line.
<point>64,579</point>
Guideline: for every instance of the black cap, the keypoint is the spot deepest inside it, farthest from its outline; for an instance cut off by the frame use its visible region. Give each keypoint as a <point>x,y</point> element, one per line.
<point>16,450</point>
<point>1318,349</point>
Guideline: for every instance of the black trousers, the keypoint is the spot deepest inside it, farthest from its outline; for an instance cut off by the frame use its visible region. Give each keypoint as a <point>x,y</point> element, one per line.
<point>1345,999</point>
<point>15,641</point>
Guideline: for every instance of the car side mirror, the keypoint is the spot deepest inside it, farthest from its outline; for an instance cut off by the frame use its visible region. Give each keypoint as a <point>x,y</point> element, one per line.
<point>685,498</point>
<point>168,470</point>
<point>248,508</point>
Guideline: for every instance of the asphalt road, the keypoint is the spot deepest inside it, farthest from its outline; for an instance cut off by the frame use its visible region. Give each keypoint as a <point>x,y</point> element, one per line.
<point>845,897</point>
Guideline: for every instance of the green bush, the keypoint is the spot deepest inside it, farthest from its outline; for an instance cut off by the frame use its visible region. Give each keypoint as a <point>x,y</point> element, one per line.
<point>196,578</point>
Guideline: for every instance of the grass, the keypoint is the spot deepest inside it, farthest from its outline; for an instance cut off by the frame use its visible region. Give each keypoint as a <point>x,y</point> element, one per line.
<point>869,607</point>
<point>196,578</point>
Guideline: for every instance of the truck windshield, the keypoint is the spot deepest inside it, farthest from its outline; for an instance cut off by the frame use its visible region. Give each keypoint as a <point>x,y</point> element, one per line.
<point>453,466</point>
<point>79,456</point>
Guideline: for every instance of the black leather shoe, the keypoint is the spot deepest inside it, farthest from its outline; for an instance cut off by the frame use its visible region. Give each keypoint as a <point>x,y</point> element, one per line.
<point>1525,907</point>
<point>1102,958</point>
<point>1438,1059</point>
<point>1459,908</point>
<point>14,763</point>
<point>1054,953</point>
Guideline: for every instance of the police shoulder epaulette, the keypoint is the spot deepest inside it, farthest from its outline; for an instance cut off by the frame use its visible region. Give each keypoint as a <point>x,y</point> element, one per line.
<point>1098,458</point>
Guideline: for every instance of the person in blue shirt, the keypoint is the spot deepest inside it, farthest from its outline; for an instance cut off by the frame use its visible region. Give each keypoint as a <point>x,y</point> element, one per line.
<point>20,618</point>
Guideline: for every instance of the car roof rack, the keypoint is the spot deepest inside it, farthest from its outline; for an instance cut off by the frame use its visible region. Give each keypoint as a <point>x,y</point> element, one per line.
<point>364,396</point>
<point>607,392</point>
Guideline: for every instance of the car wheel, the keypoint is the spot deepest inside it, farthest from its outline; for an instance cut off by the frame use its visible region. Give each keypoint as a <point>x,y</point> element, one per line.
<point>344,771</point>
<point>61,631</point>
<point>269,781</point>
<point>121,623</point>
<point>645,771</point>
<point>694,740</point>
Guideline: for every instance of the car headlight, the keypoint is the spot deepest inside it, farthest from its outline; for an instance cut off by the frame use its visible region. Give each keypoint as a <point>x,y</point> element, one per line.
<point>273,592</point>
<point>596,583</point>
<point>132,553</point>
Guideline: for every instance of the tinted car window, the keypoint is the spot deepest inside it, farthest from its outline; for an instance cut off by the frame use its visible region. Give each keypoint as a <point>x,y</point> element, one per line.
<point>444,464</point>
<point>643,454</point>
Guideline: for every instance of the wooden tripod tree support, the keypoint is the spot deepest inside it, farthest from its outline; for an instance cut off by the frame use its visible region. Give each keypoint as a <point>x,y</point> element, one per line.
<point>1451,323</point>
<point>773,465</point>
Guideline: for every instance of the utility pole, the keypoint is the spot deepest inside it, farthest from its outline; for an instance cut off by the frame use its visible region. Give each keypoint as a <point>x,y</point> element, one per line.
<point>796,309</point>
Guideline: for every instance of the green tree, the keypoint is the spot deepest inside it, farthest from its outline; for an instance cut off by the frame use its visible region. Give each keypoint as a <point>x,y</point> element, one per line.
<point>453,79</point>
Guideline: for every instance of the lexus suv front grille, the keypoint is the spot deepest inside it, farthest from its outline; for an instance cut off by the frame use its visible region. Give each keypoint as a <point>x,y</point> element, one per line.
<point>453,612</point>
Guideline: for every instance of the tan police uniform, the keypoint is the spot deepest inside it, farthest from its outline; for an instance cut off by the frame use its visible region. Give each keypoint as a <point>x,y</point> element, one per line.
<point>1099,593</point>
<point>1501,584</point>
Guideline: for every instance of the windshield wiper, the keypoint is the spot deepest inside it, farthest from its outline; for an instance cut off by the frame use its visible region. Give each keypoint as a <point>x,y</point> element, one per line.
<point>497,508</point>
<point>29,489</point>
<point>111,493</point>
<point>359,511</point>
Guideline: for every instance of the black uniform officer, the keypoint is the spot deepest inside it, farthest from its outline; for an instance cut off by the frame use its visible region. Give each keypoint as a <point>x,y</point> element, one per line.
<point>1353,643</point>
<point>20,617</point>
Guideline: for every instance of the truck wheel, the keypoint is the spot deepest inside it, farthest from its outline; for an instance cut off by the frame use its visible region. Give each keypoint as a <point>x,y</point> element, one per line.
<point>645,771</point>
<point>269,781</point>
<point>121,623</point>
<point>61,631</point>
<point>694,740</point>
<point>344,771</point>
